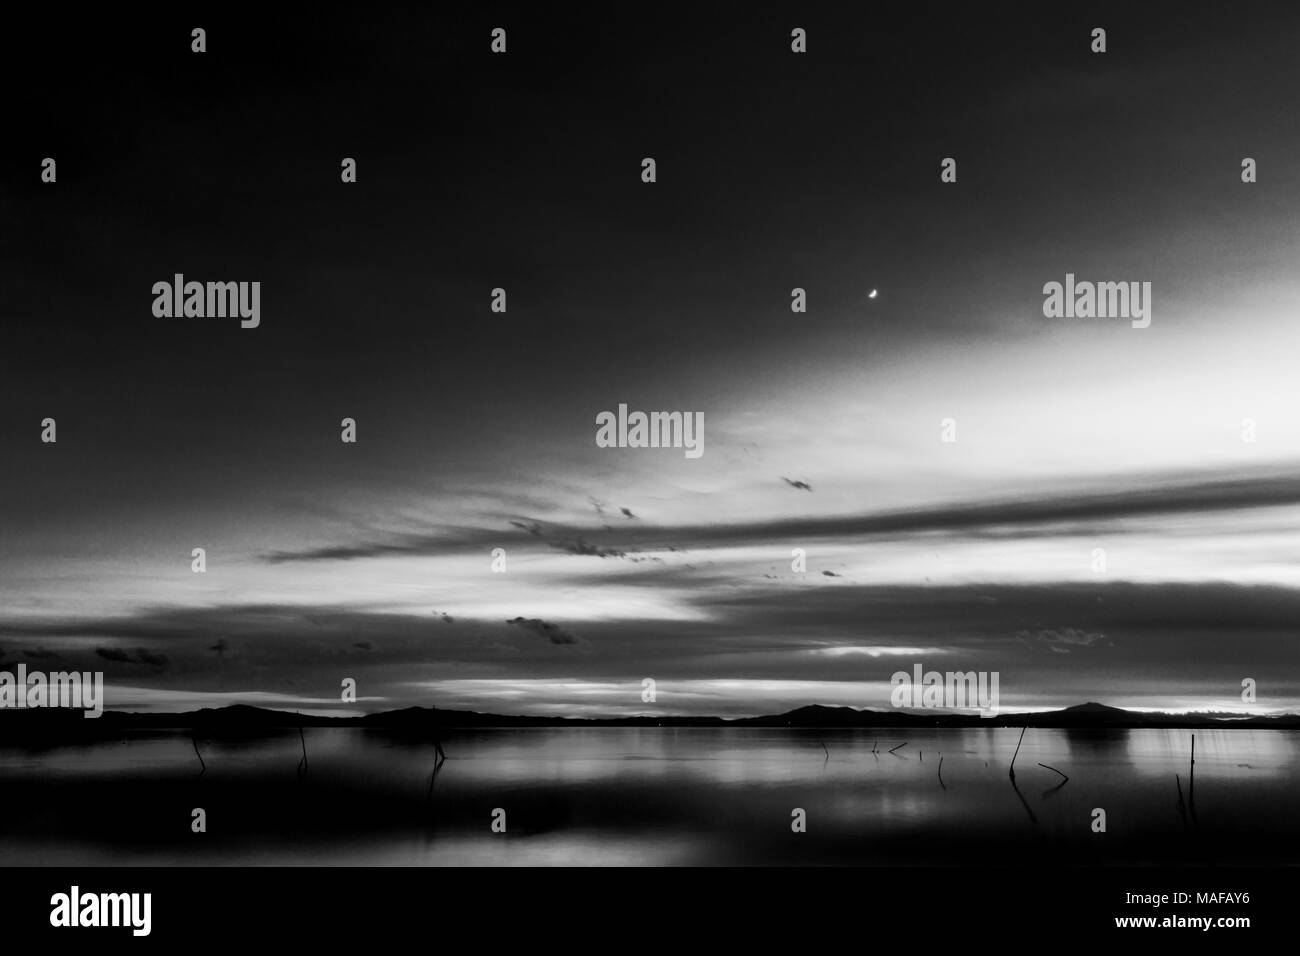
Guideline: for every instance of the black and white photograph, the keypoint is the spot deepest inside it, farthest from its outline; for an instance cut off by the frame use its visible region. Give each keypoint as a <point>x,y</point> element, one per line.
<point>653,438</point>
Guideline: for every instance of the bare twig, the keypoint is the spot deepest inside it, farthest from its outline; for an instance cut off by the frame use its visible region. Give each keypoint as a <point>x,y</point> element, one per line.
<point>1011,771</point>
<point>1053,769</point>
<point>437,765</point>
<point>900,746</point>
<point>199,755</point>
<point>302,764</point>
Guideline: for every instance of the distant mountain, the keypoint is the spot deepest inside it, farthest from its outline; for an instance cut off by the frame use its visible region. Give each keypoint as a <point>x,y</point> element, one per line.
<point>1086,715</point>
<point>240,719</point>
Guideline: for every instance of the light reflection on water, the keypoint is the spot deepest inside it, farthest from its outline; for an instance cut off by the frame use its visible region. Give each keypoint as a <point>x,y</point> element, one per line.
<point>655,796</point>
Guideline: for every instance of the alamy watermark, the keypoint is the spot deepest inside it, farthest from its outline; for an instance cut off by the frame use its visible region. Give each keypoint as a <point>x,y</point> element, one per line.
<point>76,909</point>
<point>651,430</point>
<point>58,689</point>
<point>209,300</point>
<point>954,690</point>
<point>1098,300</point>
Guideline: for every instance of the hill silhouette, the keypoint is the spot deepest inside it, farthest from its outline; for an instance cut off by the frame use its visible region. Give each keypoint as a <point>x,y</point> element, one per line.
<point>237,719</point>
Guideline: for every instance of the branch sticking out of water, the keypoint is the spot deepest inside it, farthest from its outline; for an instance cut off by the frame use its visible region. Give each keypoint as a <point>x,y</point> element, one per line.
<point>199,755</point>
<point>1011,771</point>
<point>1053,769</point>
<point>302,764</point>
<point>437,765</point>
<point>900,746</point>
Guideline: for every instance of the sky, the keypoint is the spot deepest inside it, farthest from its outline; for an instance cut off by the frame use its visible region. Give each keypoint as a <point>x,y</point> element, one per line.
<point>823,430</point>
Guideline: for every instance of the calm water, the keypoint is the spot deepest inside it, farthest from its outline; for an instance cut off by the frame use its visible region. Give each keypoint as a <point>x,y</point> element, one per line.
<point>656,797</point>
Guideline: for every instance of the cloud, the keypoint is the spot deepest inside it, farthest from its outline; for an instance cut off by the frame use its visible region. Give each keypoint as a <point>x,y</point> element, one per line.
<point>140,656</point>
<point>1060,640</point>
<point>292,640</point>
<point>579,546</point>
<point>397,544</point>
<point>552,632</point>
<point>1083,512</point>
<point>761,630</point>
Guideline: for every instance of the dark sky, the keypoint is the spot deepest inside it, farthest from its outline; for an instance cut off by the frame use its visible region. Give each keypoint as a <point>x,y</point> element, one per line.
<point>476,430</point>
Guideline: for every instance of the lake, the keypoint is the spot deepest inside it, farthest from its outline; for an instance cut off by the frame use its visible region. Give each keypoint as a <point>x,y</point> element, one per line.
<point>657,796</point>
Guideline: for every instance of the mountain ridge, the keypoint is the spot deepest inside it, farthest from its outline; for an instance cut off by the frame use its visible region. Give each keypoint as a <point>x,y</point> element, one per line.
<point>236,718</point>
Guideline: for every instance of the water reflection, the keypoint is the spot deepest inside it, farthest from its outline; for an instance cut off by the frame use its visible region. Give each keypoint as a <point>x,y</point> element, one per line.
<point>657,796</point>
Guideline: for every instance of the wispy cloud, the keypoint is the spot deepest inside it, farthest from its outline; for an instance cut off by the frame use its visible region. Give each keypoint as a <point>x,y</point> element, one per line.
<point>1081,511</point>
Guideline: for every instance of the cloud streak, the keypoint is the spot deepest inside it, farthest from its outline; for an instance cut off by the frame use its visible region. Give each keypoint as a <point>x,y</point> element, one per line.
<point>1163,495</point>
